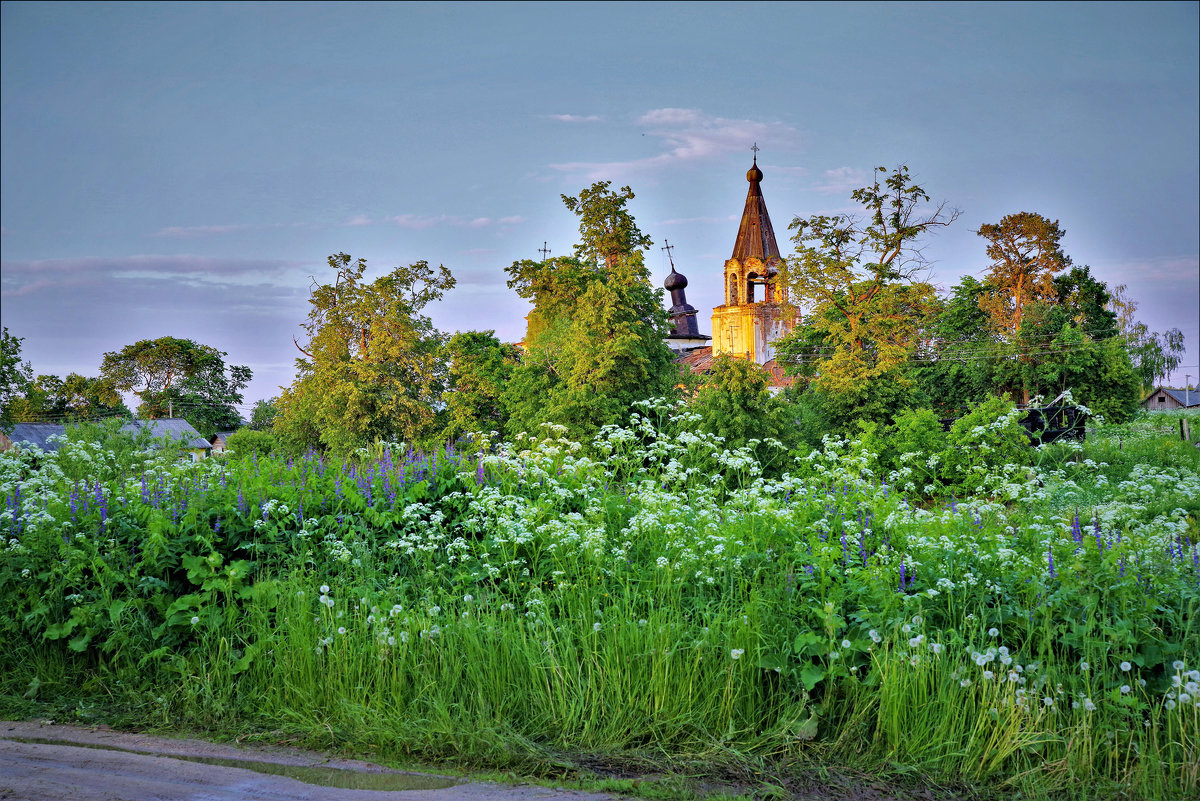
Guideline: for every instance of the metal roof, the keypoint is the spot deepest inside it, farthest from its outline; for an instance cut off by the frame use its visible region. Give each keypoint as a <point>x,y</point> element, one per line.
<point>756,237</point>
<point>1185,397</point>
<point>175,428</point>
<point>37,434</point>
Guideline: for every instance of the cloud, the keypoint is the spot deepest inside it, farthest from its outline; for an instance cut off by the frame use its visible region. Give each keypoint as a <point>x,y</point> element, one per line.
<point>842,180</point>
<point>358,220</point>
<point>191,231</point>
<point>689,136</point>
<point>22,278</point>
<point>420,222</point>
<point>575,117</point>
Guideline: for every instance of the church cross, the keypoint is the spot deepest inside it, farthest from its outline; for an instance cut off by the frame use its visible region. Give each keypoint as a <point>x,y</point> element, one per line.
<point>668,247</point>
<point>544,250</point>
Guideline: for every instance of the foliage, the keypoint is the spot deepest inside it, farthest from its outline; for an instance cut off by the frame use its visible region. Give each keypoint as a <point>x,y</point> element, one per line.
<point>373,366</point>
<point>735,404</point>
<point>247,442</point>
<point>262,414</point>
<point>595,341</point>
<point>957,369</point>
<point>1025,253</point>
<point>180,377</point>
<point>647,593</point>
<point>480,368</point>
<point>14,377</point>
<point>49,398</point>
<point>985,449</point>
<point>856,275</point>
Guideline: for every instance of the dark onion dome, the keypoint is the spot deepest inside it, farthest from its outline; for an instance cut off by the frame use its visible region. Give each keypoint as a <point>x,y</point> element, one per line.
<point>675,281</point>
<point>754,174</point>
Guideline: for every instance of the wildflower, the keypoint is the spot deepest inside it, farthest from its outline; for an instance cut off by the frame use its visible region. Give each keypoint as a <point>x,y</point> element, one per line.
<point>845,643</point>
<point>195,619</point>
<point>1088,705</point>
<point>1177,664</point>
<point>993,632</point>
<point>965,683</point>
<point>1048,701</point>
<point>1084,666</point>
<point>874,635</point>
<point>1125,666</point>
<point>1125,689</point>
<point>736,653</point>
<point>341,629</point>
<point>595,627</point>
<point>989,675</point>
<point>936,647</point>
<point>468,598</point>
<point>324,588</point>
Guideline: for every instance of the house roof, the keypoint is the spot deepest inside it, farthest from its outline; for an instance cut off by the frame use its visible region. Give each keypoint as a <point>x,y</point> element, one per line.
<point>173,427</point>
<point>1186,398</point>
<point>37,434</point>
<point>700,360</point>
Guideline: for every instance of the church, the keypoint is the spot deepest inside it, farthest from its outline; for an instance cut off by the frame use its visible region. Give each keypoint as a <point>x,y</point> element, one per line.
<point>756,312</point>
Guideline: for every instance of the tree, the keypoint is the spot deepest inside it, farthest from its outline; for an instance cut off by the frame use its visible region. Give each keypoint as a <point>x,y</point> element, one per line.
<point>480,368</point>
<point>956,370</point>
<point>262,414</point>
<point>180,377</point>
<point>49,398</point>
<point>1026,254</point>
<point>595,340</point>
<point>1155,356</point>
<point>734,403</point>
<point>372,366</point>
<point>14,377</point>
<point>857,276</point>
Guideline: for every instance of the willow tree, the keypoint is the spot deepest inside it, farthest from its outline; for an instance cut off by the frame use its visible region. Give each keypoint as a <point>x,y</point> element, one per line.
<point>372,366</point>
<point>857,276</point>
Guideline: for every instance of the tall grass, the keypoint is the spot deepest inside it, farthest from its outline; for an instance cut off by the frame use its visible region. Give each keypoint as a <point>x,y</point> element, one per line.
<point>651,594</point>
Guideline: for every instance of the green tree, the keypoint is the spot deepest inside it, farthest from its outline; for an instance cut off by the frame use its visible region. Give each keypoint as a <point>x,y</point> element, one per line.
<point>595,340</point>
<point>856,274</point>
<point>49,398</point>
<point>248,442</point>
<point>373,365</point>
<point>14,377</point>
<point>180,377</point>
<point>735,403</point>
<point>480,368</point>
<point>1155,356</point>
<point>956,370</point>
<point>262,414</point>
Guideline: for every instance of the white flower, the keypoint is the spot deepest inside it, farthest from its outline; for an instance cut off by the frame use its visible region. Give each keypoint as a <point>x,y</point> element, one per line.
<point>987,674</point>
<point>993,632</point>
<point>1125,666</point>
<point>341,629</point>
<point>1048,701</point>
<point>595,627</point>
<point>468,598</point>
<point>736,653</point>
<point>1125,689</point>
<point>845,643</point>
<point>874,635</point>
<point>1177,664</point>
<point>1088,705</point>
<point>965,683</point>
<point>1084,666</point>
<point>195,619</point>
<point>324,588</point>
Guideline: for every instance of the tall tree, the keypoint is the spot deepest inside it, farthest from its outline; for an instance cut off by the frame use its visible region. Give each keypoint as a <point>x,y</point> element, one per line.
<point>857,274</point>
<point>262,414</point>
<point>1025,254</point>
<point>1155,356</point>
<point>49,398</point>
<point>173,376</point>
<point>14,377</point>
<point>372,366</point>
<point>595,340</point>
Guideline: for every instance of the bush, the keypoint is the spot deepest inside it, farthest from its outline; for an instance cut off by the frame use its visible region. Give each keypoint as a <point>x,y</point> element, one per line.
<point>248,442</point>
<point>985,449</point>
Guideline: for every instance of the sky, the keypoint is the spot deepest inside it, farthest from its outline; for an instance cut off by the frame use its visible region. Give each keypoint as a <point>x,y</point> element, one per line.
<point>186,169</point>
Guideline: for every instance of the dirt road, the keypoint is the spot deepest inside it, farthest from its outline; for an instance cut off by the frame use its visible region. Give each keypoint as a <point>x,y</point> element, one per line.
<point>43,762</point>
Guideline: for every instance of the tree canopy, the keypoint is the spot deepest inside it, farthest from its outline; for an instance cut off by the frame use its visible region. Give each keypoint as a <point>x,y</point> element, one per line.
<point>372,366</point>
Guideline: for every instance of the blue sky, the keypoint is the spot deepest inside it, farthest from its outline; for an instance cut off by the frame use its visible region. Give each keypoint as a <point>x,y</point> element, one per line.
<point>182,169</point>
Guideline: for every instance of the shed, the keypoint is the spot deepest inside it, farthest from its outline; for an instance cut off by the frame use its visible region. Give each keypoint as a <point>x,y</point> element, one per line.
<point>1163,399</point>
<point>219,441</point>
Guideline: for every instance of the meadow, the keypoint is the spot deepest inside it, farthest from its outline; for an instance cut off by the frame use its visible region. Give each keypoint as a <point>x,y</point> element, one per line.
<point>651,598</point>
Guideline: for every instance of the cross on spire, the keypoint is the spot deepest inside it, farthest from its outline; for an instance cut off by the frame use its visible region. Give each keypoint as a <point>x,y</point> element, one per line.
<point>667,246</point>
<point>544,250</point>
<point>755,148</point>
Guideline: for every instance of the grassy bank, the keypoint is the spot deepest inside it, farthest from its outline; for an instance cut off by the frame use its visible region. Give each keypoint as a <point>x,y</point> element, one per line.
<point>650,598</point>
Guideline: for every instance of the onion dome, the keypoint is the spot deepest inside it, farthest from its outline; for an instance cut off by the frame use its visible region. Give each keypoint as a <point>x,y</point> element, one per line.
<point>675,281</point>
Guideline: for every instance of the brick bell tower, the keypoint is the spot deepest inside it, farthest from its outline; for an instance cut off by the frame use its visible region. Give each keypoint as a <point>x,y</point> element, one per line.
<point>756,311</point>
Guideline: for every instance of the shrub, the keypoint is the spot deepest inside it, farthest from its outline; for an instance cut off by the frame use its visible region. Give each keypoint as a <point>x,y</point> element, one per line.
<point>985,449</point>
<point>248,442</point>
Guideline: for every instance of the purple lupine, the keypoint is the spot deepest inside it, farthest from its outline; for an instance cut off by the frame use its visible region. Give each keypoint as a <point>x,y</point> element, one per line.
<point>1099,538</point>
<point>479,472</point>
<point>75,503</point>
<point>1050,559</point>
<point>1077,532</point>
<point>902,581</point>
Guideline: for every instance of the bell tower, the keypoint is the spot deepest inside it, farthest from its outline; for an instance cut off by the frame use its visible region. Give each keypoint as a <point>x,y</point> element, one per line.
<point>756,310</point>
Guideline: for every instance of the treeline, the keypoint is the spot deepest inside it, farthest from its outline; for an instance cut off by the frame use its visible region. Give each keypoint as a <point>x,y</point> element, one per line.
<point>873,339</point>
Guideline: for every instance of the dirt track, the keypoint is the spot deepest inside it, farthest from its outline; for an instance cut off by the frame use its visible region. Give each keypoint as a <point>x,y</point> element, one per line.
<point>160,771</point>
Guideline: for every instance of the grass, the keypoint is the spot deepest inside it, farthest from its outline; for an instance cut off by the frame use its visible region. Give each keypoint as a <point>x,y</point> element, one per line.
<point>647,604</point>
